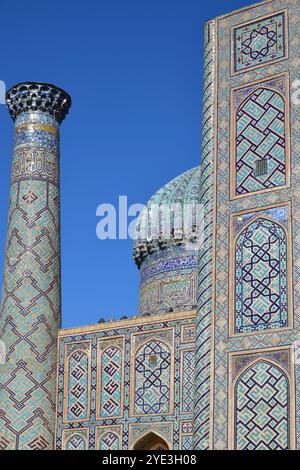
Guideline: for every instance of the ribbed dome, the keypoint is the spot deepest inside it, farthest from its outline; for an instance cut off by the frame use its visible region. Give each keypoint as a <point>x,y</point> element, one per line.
<point>170,216</point>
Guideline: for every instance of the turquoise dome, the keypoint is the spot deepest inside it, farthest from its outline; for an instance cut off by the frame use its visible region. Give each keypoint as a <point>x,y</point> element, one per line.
<point>165,247</point>
<point>163,227</point>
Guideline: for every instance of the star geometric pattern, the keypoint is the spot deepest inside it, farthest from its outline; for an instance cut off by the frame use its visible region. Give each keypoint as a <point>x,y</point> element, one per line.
<point>261,277</point>
<point>260,42</point>
<point>152,379</point>
<point>223,207</point>
<point>148,365</point>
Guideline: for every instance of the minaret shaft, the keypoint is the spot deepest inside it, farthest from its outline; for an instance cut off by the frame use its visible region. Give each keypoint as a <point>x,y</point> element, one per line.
<point>31,297</point>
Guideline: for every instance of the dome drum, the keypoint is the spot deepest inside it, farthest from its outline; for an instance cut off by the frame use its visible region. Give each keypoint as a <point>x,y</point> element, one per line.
<point>166,245</point>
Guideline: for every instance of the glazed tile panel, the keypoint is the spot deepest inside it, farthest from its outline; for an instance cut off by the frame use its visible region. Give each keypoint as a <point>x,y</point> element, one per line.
<point>259,42</point>
<point>260,127</point>
<point>152,379</point>
<point>261,273</point>
<point>262,409</point>
<point>108,438</point>
<point>135,386</point>
<point>110,441</point>
<point>77,440</point>
<point>205,263</point>
<point>30,314</point>
<point>111,386</point>
<point>31,300</point>
<point>187,429</point>
<point>188,380</point>
<point>257,235</point>
<point>78,385</point>
<point>261,384</point>
<point>168,280</point>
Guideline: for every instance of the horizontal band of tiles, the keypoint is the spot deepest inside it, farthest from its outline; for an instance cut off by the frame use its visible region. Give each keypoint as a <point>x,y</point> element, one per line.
<point>32,127</point>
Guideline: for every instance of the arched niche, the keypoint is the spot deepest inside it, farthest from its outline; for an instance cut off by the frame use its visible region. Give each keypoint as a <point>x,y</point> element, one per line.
<point>151,441</point>
<point>261,411</point>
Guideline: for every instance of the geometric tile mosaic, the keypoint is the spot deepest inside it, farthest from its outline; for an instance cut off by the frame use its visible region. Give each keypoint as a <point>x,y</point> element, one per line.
<point>111,382</point>
<point>261,277</point>
<point>152,379</point>
<point>187,381</point>
<point>262,408</point>
<point>261,138</point>
<point>203,337</point>
<point>259,42</point>
<point>186,441</point>
<point>75,439</point>
<point>78,382</point>
<point>31,308</point>
<point>188,333</point>
<point>224,206</point>
<point>143,357</point>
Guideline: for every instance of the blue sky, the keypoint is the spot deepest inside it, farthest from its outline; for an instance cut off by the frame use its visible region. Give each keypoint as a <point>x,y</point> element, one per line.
<point>134,70</point>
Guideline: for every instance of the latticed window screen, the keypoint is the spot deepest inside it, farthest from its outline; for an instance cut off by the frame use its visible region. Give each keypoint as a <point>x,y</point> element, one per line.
<point>261,167</point>
<point>153,360</point>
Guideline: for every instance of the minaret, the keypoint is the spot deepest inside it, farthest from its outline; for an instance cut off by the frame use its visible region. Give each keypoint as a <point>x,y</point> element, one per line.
<point>31,297</point>
<point>205,314</point>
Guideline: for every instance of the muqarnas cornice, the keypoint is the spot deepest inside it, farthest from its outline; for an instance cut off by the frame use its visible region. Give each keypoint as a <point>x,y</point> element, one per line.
<point>34,97</point>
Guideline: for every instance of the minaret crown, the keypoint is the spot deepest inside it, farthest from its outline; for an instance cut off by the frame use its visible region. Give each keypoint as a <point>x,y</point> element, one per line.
<point>34,96</point>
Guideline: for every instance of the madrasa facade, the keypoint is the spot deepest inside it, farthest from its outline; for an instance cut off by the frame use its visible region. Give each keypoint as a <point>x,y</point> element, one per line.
<point>209,360</point>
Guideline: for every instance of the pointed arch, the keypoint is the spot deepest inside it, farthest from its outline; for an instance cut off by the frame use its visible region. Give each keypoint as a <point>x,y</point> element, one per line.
<point>151,441</point>
<point>260,277</point>
<point>262,407</point>
<point>152,378</point>
<point>257,90</point>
